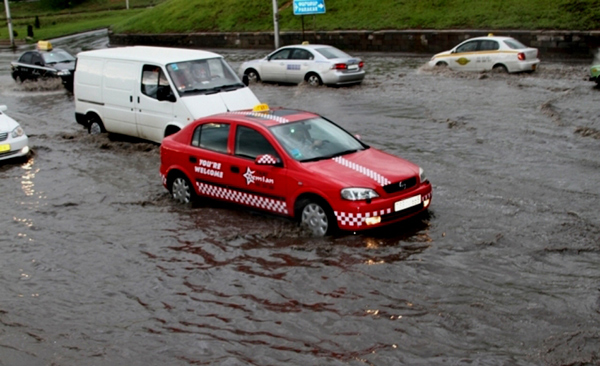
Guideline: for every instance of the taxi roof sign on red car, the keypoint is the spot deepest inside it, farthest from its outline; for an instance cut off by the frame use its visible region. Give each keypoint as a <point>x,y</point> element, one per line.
<point>292,163</point>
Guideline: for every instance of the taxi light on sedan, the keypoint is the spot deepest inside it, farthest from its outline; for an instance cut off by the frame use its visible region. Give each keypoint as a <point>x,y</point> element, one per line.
<point>261,108</point>
<point>358,194</point>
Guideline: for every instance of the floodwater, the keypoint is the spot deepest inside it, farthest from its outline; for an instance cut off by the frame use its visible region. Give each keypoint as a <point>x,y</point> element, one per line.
<point>98,266</point>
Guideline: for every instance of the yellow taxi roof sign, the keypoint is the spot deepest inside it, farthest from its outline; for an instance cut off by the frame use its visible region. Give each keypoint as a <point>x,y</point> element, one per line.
<point>44,45</point>
<point>261,108</point>
<point>305,43</point>
<point>490,34</point>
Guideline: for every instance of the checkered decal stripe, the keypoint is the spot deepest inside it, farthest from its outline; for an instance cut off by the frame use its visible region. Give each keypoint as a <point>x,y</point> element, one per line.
<point>243,198</point>
<point>358,219</point>
<point>383,181</point>
<point>264,116</point>
<point>266,159</point>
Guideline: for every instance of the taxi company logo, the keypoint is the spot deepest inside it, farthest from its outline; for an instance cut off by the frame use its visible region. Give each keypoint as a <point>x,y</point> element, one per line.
<point>463,61</point>
<point>252,178</point>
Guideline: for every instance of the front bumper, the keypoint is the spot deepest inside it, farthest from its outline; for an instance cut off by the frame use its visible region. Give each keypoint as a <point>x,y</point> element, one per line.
<point>17,147</point>
<point>360,215</point>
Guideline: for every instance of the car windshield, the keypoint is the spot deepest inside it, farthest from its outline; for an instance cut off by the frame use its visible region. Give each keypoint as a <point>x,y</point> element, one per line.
<point>206,76</point>
<point>57,56</point>
<point>514,44</point>
<point>315,139</point>
<point>332,52</point>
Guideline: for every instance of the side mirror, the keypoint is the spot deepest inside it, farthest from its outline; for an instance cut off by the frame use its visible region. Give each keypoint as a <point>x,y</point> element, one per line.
<point>165,93</point>
<point>267,159</point>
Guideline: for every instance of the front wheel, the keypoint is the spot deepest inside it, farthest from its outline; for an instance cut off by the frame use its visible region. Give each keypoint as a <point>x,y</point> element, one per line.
<point>317,216</point>
<point>95,126</point>
<point>313,80</point>
<point>182,190</point>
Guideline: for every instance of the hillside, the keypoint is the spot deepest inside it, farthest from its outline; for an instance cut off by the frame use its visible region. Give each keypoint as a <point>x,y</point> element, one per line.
<point>186,16</point>
<point>256,15</point>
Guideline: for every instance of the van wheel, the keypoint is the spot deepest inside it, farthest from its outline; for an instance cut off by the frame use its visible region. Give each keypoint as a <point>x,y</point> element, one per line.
<point>182,190</point>
<point>317,216</point>
<point>313,79</point>
<point>95,126</point>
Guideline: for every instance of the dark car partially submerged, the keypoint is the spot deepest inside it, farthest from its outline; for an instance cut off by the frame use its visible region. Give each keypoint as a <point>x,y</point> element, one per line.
<point>45,62</point>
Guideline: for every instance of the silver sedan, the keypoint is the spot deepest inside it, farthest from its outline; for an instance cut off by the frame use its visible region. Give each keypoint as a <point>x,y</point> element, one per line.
<point>314,64</point>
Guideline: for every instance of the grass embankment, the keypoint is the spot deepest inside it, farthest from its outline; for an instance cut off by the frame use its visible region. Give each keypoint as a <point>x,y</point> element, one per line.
<point>184,16</point>
<point>93,14</point>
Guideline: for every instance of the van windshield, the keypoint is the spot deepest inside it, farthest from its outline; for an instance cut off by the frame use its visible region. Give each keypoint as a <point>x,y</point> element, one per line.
<point>206,76</point>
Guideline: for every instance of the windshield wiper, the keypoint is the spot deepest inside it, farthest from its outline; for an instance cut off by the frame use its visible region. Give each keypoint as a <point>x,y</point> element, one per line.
<point>331,156</point>
<point>232,87</point>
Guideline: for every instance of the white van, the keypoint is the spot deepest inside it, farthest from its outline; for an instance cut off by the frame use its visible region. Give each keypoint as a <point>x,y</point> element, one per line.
<point>152,92</point>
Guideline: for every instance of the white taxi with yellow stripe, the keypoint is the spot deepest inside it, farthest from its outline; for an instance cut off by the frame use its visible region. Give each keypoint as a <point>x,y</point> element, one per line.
<point>489,53</point>
<point>13,140</point>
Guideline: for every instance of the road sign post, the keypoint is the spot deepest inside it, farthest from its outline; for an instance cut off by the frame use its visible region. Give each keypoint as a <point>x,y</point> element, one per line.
<point>307,7</point>
<point>276,23</point>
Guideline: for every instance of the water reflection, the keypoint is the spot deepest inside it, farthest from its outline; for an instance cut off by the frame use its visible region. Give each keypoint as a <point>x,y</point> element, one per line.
<point>27,184</point>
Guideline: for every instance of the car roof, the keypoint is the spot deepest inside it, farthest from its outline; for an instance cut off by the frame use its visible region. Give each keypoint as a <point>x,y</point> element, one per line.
<point>159,55</point>
<point>496,38</point>
<point>272,117</point>
<point>308,46</point>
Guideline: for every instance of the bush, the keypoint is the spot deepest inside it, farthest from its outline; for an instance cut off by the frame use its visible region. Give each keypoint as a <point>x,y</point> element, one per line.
<point>60,4</point>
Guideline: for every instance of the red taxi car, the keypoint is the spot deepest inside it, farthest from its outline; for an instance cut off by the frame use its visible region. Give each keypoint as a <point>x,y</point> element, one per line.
<point>293,163</point>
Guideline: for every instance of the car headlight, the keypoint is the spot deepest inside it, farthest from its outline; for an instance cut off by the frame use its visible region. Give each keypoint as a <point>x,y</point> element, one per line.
<point>422,176</point>
<point>64,73</point>
<point>18,131</point>
<point>358,194</point>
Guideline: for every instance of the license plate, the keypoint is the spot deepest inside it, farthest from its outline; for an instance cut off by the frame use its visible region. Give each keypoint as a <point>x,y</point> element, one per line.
<point>4,147</point>
<point>353,67</point>
<point>409,202</point>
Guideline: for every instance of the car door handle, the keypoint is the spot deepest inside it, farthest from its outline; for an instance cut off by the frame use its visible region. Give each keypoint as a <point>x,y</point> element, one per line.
<point>193,160</point>
<point>235,169</point>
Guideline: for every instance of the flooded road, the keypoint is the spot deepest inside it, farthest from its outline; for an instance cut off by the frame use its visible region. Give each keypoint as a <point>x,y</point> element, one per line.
<point>98,266</point>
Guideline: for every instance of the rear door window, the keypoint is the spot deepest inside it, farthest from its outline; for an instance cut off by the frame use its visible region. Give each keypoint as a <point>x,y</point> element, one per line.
<point>211,136</point>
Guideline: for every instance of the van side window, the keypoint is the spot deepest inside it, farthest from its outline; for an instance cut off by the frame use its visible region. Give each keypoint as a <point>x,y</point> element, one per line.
<point>250,143</point>
<point>153,79</point>
<point>211,136</point>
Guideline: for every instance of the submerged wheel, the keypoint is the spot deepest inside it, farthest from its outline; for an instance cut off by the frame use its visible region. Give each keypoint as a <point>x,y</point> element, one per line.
<point>182,190</point>
<point>317,216</point>
<point>95,126</point>
<point>253,76</point>
<point>441,64</point>
<point>313,79</point>
<point>500,69</point>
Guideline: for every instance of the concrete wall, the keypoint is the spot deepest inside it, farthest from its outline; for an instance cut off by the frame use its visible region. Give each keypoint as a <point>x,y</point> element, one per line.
<point>552,44</point>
